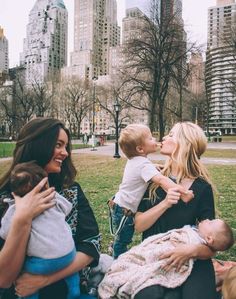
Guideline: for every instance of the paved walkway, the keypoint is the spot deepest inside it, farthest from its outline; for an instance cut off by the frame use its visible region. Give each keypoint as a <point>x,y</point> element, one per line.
<point>109,150</point>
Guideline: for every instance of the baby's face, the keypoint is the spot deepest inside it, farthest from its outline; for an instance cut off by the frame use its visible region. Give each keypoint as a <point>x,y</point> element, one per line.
<point>209,227</point>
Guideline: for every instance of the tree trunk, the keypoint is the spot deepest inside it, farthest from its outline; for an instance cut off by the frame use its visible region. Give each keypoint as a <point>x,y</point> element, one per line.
<point>161,122</point>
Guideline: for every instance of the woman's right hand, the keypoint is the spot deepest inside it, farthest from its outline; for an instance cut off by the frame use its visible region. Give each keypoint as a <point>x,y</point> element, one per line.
<point>28,284</point>
<point>144,220</point>
<point>172,197</point>
<point>34,202</point>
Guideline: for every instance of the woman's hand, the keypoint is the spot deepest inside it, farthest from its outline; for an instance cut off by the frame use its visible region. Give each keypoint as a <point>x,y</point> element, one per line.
<point>34,202</point>
<point>13,252</point>
<point>28,284</point>
<point>172,197</point>
<point>177,257</point>
<point>145,220</point>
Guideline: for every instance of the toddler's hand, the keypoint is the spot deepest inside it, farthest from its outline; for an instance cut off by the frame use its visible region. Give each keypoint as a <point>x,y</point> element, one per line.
<point>159,167</point>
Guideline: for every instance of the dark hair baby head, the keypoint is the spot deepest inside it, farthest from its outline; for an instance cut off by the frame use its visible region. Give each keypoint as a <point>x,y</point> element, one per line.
<point>25,176</point>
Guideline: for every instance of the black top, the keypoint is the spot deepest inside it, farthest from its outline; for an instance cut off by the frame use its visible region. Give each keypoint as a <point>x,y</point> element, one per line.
<point>199,208</point>
<point>85,233</point>
<point>201,282</point>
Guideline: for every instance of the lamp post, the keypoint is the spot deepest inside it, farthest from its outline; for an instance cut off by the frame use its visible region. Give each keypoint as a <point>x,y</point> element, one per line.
<point>93,116</point>
<point>196,115</point>
<point>117,111</point>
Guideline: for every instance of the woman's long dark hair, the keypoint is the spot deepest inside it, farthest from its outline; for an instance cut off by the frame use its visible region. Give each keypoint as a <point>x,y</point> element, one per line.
<point>37,141</point>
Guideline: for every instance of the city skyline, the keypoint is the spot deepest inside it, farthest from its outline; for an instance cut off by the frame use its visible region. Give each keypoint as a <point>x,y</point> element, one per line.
<point>194,15</point>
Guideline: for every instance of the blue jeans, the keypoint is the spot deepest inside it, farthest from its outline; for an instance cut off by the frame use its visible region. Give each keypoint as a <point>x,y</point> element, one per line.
<point>39,266</point>
<point>124,237</point>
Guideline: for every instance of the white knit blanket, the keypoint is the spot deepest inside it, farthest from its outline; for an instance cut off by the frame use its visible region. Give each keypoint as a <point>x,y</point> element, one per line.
<point>140,266</point>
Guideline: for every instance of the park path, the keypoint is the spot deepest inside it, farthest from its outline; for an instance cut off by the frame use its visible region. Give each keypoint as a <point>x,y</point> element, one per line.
<point>109,150</point>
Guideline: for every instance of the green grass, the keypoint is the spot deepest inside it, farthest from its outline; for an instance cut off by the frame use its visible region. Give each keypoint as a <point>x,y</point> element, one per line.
<point>78,146</point>
<point>100,177</point>
<point>219,153</point>
<point>230,138</point>
<point>6,148</point>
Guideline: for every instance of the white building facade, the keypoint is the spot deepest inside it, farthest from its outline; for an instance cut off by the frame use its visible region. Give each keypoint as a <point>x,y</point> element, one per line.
<point>96,32</point>
<point>45,46</point>
<point>4,61</point>
<point>221,67</point>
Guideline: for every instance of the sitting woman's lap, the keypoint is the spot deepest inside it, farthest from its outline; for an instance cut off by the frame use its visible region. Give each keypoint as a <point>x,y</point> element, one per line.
<point>200,284</point>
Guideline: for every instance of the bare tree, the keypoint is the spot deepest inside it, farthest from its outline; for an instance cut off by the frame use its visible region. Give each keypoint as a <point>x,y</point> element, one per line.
<point>76,103</point>
<point>152,63</point>
<point>18,103</point>
<point>6,107</point>
<point>43,95</point>
<point>115,92</point>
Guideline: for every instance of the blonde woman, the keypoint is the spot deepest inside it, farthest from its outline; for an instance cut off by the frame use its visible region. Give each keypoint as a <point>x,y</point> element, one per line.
<point>183,146</point>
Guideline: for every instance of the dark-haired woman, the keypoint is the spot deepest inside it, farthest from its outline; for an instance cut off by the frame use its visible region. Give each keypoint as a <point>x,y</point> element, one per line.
<point>47,141</point>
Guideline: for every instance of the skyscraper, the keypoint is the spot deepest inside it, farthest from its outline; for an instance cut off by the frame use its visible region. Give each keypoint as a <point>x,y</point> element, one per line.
<point>132,24</point>
<point>3,52</point>
<point>152,8</point>
<point>196,78</point>
<point>143,5</point>
<point>221,66</point>
<point>172,7</point>
<point>96,31</point>
<point>45,46</point>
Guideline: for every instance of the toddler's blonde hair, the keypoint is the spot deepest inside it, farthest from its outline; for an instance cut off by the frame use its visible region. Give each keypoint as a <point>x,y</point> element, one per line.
<point>132,136</point>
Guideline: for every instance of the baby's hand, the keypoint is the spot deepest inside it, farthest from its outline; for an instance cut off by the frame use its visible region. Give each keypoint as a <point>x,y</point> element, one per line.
<point>187,195</point>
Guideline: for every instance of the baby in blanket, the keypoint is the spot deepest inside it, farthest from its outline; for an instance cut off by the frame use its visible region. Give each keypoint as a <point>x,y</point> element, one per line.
<point>141,267</point>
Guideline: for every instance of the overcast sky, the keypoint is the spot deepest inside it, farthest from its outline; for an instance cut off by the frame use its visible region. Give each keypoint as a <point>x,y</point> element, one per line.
<point>14,18</point>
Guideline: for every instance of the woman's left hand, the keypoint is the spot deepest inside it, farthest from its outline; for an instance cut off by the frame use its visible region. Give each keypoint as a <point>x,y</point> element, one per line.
<point>177,257</point>
<point>28,284</point>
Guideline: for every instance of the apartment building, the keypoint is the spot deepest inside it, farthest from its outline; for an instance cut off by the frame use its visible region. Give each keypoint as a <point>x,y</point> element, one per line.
<point>96,32</point>
<point>221,66</point>
<point>4,61</point>
<point>45,46</point>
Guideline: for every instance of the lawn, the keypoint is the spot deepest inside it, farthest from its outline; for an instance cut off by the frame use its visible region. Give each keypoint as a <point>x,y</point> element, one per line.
<point>229,138</point>
<point>219,153</point>
<point>100,176</point>
<point>6,148</point>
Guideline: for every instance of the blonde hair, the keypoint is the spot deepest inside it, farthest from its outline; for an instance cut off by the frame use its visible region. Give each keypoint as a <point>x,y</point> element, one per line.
<point>132,136</point>
<point>191,144</point>
<point>229,284</point>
